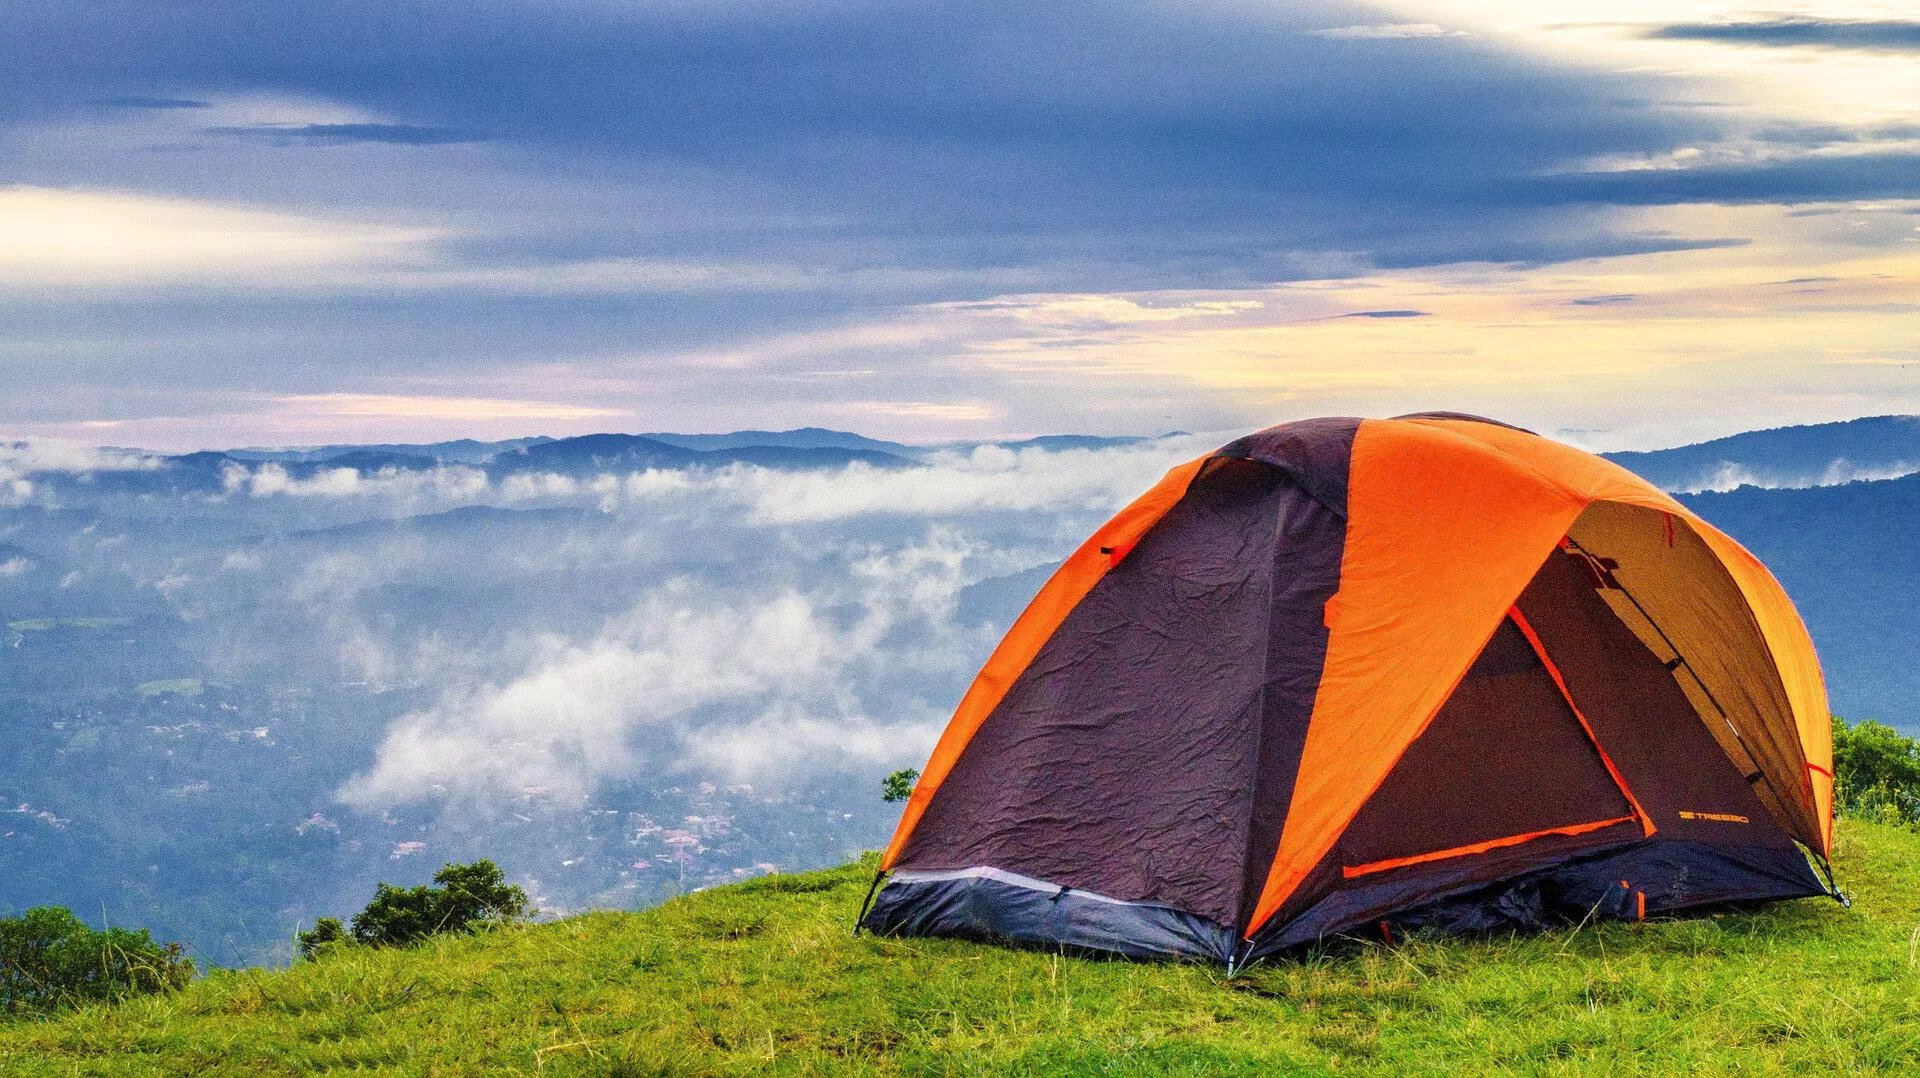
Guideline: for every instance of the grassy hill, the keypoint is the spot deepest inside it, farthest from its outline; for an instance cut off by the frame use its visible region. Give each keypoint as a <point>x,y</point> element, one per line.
<point>763,977</point>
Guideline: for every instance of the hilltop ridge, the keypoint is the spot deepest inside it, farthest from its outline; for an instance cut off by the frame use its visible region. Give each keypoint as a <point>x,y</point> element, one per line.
<point>765,977</point>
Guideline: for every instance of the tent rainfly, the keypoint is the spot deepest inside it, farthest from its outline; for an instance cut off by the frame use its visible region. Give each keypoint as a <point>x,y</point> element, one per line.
<point>1364,676</point>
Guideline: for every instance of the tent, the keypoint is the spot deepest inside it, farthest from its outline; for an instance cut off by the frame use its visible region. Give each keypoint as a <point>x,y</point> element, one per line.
<point>1362,676</point>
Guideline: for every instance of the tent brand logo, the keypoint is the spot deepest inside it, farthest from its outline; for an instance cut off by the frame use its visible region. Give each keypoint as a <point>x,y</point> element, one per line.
<point>1723,817</point>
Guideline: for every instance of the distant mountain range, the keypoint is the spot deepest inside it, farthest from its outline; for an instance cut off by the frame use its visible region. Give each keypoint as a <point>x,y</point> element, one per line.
<point>1846,555</point>
<point>596,453</point>
<point>802,438</point>
<point>820,448</point>
<point>804,449</point>
<point>461,451</point>
<point>1877,447</point>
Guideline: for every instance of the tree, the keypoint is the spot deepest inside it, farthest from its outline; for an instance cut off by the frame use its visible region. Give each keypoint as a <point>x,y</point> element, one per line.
<point>899,785</point>
<point>50,958</point>
<point>478,893</point>
<point>1876,771</point>
<point>466,898</point>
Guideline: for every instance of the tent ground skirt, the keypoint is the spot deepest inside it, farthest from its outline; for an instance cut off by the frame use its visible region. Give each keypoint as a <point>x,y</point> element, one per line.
<point>1642,879</point>
<point>1632,882</point>
<point>995,906</point>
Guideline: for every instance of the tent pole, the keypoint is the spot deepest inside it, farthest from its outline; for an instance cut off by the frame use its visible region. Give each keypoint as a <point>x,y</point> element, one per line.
<point>1238,963</point>
<point>867,902</point>
<point>1833,888</point>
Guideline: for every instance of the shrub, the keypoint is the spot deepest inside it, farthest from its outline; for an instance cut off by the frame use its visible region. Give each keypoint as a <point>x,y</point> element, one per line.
<point>1876,772</point>
<point>899,785</point>
<point>326,932</point>
<point>50,958</point>
<point>467,897</point>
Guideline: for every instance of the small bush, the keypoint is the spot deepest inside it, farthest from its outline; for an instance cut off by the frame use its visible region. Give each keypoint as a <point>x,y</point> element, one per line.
<point>467,897</point>
<point>1876,772</point>
<point>49,958</point>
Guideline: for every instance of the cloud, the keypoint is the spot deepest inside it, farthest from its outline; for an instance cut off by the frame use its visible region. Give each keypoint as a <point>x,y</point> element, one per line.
<point>943,412</point>
<point>1388,314</point>
<point>23,461</point>
<point>1809,177</point>
<point>1213,164</point>
<point>986,479</point>
<point>692,676</point>
<point>104,238</point>
<point>1391,31</point>
<point>1106,309</point>
<point>784,171</point>
<point>412,407</point>
<point>677,277</point>
<point>271,479</point>
<point>560,636</point>
<point>1729,476</point>
<point>134,101</point>
<point>445,484</point>
<point>101,237</point>
<point>43,455</point>
<point>1800,31</point>
<point>339,133</point>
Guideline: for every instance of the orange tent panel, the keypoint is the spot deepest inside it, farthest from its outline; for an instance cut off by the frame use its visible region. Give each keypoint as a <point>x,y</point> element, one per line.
<point>1447,521</point>
<point>1443,533</point>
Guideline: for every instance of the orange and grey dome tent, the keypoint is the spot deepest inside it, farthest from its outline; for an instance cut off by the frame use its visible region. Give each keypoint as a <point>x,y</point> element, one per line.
<point>1365,675</point>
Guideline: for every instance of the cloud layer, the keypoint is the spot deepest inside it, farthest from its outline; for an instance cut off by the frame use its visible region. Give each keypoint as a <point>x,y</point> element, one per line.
<point>327,220</point>
<point>1801,31</point>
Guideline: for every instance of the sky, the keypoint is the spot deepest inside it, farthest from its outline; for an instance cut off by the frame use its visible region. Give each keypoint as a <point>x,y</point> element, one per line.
<point>1630,223</point>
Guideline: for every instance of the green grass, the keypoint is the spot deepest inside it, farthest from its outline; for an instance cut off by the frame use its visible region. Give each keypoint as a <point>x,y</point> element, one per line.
<point>763,977</point>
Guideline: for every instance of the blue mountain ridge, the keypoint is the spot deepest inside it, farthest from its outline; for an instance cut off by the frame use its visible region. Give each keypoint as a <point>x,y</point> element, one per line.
<point>1812,455</point>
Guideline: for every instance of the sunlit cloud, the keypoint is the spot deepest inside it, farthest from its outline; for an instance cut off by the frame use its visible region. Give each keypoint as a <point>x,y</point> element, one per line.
<point>411,407</point>
<point>102,239</point>
<point>1800,31</point>
<point>1585,344</point>
<point>1852,66</point>
<point>1391,31</point>
<point>1107,309</point>
<point>924,410</point>
<point>98,237</point>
